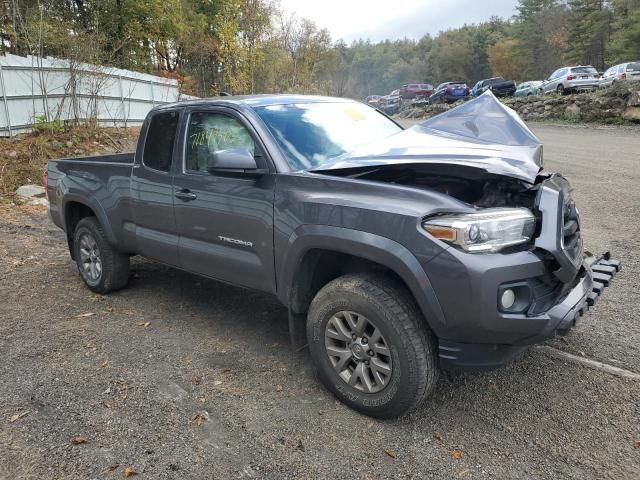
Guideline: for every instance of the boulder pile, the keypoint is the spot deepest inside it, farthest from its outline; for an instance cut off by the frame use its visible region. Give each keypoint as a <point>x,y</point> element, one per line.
<point>617,104</point>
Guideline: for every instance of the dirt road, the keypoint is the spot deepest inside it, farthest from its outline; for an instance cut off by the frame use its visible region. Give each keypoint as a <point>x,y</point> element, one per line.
<point>181,377</point>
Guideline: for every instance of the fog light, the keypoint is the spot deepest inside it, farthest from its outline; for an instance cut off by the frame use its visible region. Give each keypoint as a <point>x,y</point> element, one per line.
<point>508,299</point>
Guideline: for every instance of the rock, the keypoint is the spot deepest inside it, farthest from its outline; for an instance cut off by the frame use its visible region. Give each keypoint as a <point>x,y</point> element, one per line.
<point>13,154</point>
<point>30,191</point>
<point>634,99</point>
<point>32,194</point>
<point>632,114</point>
<point>69,143</point>
<point>572,112</point>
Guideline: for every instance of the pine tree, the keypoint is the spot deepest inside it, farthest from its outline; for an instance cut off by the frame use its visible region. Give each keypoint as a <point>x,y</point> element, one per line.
<point>588,32</point>
<point>625,40</point>
<point>540,29</point>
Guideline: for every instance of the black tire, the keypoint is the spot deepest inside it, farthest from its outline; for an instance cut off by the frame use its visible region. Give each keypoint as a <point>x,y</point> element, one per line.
<point>561,90</point>
<point>412,350</point>
<point>114,266</point>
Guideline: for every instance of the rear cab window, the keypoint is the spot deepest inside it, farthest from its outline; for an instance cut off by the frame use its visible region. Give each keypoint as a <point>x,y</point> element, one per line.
<point>633,67</point>
<point>160,139</point>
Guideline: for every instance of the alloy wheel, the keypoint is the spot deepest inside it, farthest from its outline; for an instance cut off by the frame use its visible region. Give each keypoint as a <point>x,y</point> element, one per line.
<point>90,257</point>
<point>358,352</point>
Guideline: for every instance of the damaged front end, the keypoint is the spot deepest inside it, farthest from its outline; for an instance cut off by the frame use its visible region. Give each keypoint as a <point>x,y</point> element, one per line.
<point>515,254</point>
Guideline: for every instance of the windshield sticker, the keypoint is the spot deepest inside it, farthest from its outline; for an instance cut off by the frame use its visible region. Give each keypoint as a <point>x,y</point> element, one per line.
<point>354,113</point>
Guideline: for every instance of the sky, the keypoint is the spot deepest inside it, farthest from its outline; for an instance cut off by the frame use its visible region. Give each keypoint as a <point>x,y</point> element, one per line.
<point>392,19</point>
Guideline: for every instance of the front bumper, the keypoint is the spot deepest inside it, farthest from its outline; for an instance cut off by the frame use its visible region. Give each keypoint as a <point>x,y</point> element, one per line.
<point>562,317</point>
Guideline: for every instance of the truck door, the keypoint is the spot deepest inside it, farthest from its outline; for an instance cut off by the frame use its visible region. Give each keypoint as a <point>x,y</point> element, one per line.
<point>154,229</point>
<point>225,222</point>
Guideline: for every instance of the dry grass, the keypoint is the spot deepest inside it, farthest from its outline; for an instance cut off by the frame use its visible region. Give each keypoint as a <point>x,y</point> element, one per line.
<point>23,158</point>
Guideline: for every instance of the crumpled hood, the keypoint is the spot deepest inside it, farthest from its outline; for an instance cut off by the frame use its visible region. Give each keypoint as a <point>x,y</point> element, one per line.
<point>481,133</point>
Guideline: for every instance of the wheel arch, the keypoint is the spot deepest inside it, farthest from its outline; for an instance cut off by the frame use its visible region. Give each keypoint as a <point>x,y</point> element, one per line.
<point>75,209</point>
<point>318,254</point>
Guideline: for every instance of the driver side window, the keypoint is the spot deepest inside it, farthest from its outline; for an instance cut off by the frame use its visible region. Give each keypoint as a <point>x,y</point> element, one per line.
<point>210,132</point>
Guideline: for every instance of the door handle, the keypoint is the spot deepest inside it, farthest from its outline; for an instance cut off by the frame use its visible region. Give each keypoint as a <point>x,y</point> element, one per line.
<point>185,194</point>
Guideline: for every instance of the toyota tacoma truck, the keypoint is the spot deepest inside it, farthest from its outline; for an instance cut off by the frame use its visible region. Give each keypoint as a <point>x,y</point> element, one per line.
<point>396,252</point>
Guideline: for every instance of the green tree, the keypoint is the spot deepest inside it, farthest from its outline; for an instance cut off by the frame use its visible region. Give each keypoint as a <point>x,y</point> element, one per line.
<point>540,28</point>
<point>588,31</point>
<point>625,39</point>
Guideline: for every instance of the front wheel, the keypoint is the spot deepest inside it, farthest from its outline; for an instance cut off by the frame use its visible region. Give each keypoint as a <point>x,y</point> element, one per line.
<point>371,346</point>
<point>102,268</point>
<point>561,90</point>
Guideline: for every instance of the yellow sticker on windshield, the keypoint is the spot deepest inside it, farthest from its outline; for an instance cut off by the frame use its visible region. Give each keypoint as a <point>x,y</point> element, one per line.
<point>354,113</point>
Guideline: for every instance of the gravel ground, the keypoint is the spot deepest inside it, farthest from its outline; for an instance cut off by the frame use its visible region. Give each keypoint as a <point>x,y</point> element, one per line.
<point>181,377</point>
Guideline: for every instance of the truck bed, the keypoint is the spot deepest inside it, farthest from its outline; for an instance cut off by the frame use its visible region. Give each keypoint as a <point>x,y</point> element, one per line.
<point>103,179</point>
<point>109,158</point>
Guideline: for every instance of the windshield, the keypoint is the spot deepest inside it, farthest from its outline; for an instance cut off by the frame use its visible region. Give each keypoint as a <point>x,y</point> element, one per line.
<point>310,134</point>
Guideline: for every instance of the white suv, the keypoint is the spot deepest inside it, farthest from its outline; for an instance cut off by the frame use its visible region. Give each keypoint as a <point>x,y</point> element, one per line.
<point>625,71</point>
<point>570,79</point>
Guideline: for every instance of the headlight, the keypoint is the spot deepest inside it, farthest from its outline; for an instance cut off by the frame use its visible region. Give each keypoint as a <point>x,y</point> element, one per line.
<point>488,230</point>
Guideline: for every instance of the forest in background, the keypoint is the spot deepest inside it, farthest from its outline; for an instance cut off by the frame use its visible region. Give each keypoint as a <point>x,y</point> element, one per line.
<point>252,46</point>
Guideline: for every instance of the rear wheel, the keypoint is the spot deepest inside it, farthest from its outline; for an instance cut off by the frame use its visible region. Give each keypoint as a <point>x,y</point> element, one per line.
<point>102,268</point>
<point>370,345</point>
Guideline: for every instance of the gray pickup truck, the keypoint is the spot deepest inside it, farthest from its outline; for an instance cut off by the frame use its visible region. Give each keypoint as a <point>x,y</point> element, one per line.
<point>397,252</point>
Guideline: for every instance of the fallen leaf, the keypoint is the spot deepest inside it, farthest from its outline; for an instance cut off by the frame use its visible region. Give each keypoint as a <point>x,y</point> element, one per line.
<point>457,454</point>
<point>197,419</point>
<point>279,387</point>
<point>217,382</point>
<point>637,444</point>
<point>196,379</point>
<point>104,364</point>
<point>18,416</point>
<point>129,472</point>
<point>78,440</point>
<point>109,309</point>
<point>88,314</point>
<point>106,405</point>
<point>439,436</point>
<point>145,324</point>
<point>564,340</point>
<point>114,466</point>
<point>391,453</point>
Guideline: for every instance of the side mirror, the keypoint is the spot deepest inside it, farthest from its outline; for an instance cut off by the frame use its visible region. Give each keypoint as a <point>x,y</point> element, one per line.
<point>233,160</point>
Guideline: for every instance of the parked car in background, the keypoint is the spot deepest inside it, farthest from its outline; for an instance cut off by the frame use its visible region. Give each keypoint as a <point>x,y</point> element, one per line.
<point>571,79</point>
<point>390,104</point>
<point>526,89</point>
<point>449,92</point>
<point>629,71</point>
<point>498,85</point>
<point>413,90</point>
<point>373,100</point>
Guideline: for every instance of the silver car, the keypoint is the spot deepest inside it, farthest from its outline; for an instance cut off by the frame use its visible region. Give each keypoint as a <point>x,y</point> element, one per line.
<point>618,73</point>
<point>571,79</point>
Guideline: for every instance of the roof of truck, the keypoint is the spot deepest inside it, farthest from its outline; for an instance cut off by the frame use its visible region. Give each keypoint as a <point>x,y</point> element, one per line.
<point>256,100</point>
